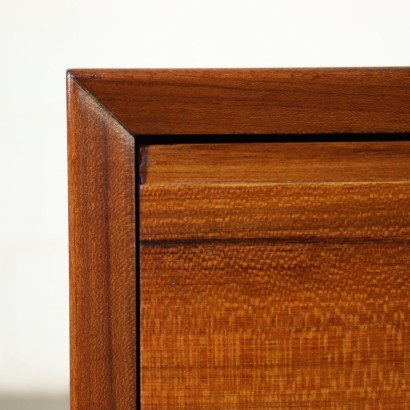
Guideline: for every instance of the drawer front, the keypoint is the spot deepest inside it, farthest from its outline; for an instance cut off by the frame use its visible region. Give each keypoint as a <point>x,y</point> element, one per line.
<point>275,275</point>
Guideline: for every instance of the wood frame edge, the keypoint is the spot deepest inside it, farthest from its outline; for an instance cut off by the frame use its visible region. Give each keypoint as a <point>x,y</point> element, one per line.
<point>251,101</point>
<point>103,273</point>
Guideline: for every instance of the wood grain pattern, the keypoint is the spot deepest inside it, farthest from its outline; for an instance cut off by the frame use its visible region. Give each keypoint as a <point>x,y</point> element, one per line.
<point>262,325</point>
<point>279,162</point>
<point>316,211</point>
<point>102,257</point>
<point>254,101</point>
<point>280,284</point>
<point>275,294</point>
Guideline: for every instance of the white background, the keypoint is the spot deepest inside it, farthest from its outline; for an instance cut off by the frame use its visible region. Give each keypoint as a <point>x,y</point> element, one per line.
<point>40,39</point>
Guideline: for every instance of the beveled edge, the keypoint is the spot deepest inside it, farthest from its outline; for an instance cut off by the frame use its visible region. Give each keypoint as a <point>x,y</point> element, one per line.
<point>253,101</point>
<point>103,253</point>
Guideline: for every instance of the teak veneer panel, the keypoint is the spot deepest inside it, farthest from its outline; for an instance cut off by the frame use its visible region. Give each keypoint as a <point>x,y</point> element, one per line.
<point>255,325</point>
<point>286,293</point>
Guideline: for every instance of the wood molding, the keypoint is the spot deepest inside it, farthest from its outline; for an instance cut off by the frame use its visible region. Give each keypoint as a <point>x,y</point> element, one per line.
<point>254,101</point>
<point>102,213</point>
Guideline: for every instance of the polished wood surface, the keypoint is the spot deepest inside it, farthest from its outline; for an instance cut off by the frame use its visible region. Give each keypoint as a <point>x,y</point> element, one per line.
<point>263,286</point>
<point>254,101</point>
<point>288,271</point>
<point>102,257</point>
<point>370,161</point>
